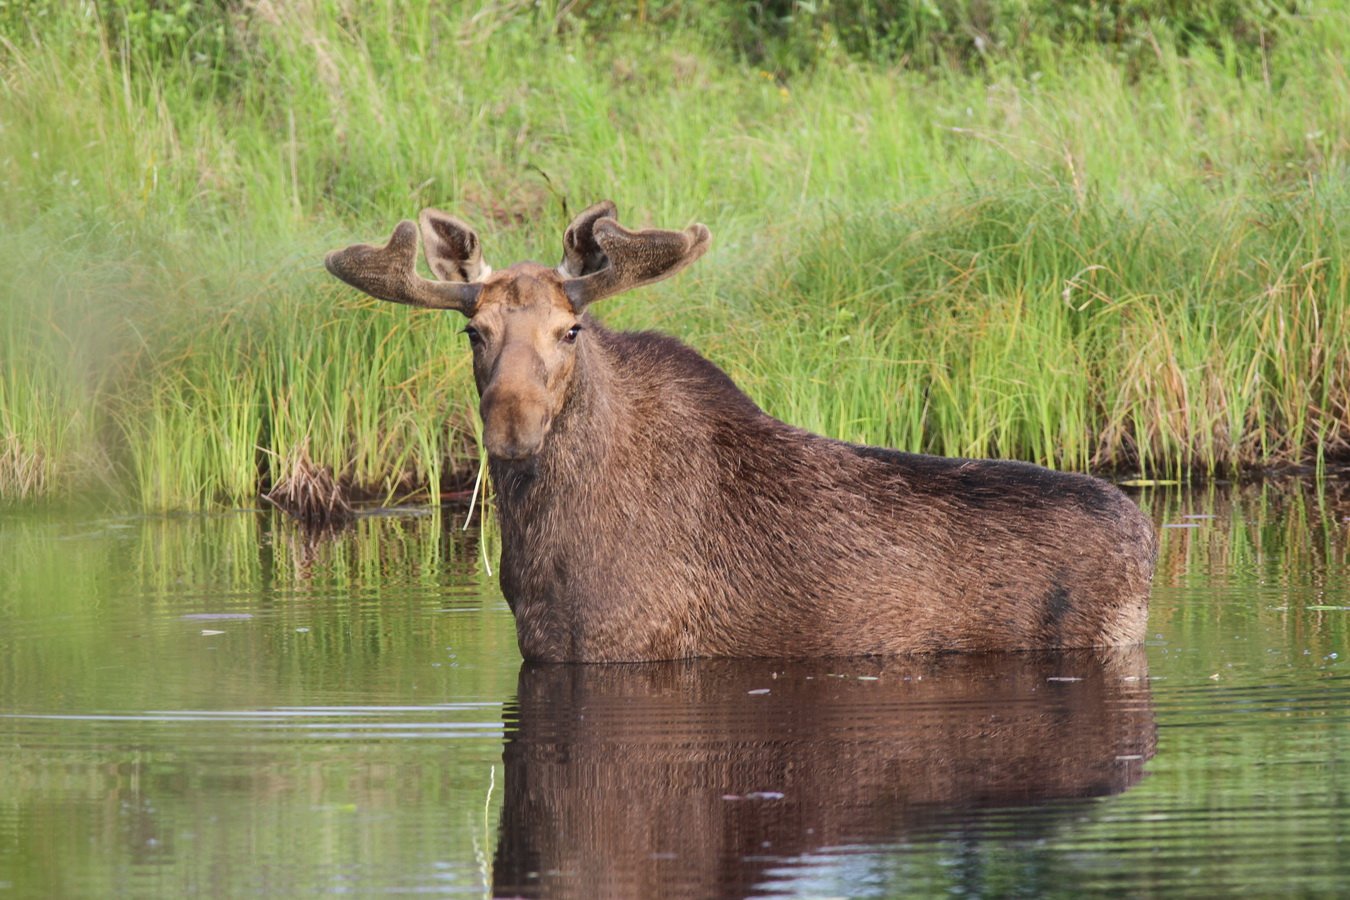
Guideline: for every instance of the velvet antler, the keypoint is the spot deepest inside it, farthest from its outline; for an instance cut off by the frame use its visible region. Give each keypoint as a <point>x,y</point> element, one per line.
<point>390,272</point>
<point>602,258</point>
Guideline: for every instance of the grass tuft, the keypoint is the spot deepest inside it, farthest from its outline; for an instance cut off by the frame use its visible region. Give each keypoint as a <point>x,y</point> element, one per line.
<point>310,494</point>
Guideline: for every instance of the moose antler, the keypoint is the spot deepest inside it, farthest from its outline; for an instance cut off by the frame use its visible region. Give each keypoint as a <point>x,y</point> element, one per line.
<point>602,258</point>
<point>390,272</point>
<point>581,254</point>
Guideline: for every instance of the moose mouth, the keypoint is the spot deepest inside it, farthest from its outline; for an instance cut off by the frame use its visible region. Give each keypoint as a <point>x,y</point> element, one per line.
<point>513,454</point>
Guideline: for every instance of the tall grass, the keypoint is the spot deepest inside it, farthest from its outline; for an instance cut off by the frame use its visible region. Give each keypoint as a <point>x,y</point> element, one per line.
<point>1078,257</point>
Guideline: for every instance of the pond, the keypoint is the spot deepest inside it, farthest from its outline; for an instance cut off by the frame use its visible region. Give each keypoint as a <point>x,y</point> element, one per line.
<point>214,705</point>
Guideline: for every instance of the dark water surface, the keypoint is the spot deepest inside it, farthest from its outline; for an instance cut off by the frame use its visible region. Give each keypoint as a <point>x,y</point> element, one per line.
<point>208,705</point>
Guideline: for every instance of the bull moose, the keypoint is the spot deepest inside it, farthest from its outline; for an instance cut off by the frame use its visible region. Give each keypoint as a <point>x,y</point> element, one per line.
<point>650,510</point>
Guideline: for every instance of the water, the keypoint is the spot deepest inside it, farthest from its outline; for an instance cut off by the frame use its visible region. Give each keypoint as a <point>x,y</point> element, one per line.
<point>211,705</point>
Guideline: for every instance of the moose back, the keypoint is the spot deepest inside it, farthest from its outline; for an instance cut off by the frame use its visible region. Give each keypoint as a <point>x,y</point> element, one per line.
<point>650,510</point>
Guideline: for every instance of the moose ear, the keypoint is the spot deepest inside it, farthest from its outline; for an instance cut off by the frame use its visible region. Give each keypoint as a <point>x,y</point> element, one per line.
<point>451,247</point>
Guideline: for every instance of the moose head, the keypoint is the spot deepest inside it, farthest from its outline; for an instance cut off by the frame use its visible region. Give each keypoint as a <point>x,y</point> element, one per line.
<point>525,322</point>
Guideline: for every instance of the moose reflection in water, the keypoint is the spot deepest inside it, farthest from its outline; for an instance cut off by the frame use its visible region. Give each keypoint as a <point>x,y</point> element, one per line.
<point>708,778</point>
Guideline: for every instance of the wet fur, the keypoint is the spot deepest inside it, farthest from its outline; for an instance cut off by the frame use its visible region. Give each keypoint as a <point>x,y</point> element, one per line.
<point>667,516</point>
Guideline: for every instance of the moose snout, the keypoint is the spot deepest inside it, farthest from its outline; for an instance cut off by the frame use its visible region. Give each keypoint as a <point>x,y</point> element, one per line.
<point>513,427</point>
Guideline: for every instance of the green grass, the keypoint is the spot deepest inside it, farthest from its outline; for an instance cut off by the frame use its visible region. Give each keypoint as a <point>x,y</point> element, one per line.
<point>1084,254</point>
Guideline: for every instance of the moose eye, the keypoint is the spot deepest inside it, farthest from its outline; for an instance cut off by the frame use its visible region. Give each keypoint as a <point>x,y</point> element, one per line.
<point>571,336</point>
<point>475,336</point>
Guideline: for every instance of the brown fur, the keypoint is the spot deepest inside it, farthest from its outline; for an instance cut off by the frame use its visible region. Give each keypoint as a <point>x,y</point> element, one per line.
<point>641,780</point>
<point>651,511</point>
<point>666,516</point>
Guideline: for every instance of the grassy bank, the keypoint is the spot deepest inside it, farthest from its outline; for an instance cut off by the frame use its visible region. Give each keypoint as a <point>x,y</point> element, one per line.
<point>1078,252</point>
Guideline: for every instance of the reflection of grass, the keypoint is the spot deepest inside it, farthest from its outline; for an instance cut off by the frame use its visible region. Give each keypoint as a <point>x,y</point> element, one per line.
<point>1088,264</point>
<point>355,630</point>
<point>483,842</point>
<point>375,593</point>
<point>1281,530</point>
<point>1276,545</point>
<point>1249,692</point>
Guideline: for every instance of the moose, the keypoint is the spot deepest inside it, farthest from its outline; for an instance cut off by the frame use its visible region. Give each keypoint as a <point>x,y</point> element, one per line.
<point>650,510</point>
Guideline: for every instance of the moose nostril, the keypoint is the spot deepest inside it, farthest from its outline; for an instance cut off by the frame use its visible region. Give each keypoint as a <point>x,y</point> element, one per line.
<point>510,432</point>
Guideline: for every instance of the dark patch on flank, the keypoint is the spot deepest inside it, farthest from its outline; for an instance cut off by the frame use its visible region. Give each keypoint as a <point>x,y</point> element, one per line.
<point>1057,606</point>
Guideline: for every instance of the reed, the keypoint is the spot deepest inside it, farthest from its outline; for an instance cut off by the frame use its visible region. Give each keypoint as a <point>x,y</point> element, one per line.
<point>1087,258</point>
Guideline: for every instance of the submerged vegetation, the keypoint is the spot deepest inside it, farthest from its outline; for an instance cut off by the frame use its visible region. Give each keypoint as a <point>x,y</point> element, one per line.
<point>1087,238</point>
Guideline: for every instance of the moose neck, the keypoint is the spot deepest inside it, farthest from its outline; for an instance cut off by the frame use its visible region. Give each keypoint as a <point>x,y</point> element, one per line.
<point>613,500</point>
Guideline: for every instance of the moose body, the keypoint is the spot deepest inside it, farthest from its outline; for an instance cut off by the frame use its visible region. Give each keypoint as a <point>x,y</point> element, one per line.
<point>650,510</point>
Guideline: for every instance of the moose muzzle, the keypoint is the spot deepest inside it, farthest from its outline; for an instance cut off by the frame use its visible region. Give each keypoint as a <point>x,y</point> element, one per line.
<point>516,416</point>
